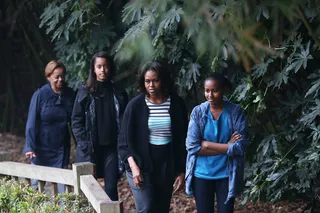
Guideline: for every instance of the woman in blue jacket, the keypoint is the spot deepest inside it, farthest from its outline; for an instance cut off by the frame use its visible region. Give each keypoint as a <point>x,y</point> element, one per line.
<point>47,129</point>
<point>152,140</point>
<point>216,142</point>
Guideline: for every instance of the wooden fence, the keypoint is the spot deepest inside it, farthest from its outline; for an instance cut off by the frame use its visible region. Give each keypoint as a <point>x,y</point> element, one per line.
<point>80,178</point>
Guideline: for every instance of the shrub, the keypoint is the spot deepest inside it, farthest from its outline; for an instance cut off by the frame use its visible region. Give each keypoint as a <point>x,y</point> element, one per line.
<point>20,197</point>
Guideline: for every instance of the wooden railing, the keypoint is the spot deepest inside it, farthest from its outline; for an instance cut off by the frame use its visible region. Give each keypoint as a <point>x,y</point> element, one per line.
<point>80,178</point>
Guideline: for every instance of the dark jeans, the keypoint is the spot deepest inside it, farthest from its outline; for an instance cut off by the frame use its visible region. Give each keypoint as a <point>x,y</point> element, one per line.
<point>107,167</point>
<point>204,191</point>
<point>154,195</point>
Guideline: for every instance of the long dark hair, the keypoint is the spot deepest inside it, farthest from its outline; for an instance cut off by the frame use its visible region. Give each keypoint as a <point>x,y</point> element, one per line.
<point>163,71</point>
<point>91,82</point>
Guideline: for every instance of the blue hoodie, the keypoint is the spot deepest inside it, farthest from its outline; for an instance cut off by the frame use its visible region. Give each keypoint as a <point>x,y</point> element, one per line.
<point>235,152</point>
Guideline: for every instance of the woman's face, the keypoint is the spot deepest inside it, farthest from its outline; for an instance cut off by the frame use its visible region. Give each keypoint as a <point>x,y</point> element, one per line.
<point>213,92</point>
<point>101,69</point>
<point>152,83</point>
<point>56,78</point>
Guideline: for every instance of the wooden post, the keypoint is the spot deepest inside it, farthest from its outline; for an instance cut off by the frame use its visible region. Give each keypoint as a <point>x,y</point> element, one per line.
<point>28,180</point>
<point>68,189</point>
<point>41,185</point>
<point>111,207</point>
<point>55,189</point>
<point>5,156</point>
<point>97,196</point>
<point>79,169</point>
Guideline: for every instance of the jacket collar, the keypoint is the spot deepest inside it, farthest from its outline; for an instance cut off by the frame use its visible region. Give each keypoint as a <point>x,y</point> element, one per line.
<point>205,106</point>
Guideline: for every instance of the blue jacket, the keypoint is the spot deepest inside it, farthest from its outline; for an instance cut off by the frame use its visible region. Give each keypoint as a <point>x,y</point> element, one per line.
<point>235,152</point>
<point>47,130</point>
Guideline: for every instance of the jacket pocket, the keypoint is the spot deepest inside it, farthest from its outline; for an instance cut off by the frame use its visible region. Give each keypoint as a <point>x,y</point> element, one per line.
<point>83,152</point>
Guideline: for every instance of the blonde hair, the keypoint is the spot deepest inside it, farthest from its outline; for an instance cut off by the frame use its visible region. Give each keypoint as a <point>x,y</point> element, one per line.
<point>51,66</point>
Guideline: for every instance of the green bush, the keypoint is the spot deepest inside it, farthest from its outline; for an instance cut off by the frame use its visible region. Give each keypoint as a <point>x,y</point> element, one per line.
<point>19,197</point>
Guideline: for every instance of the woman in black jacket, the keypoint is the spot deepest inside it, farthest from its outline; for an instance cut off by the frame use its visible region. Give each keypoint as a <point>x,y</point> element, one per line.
<point>152,140</point>
<point>96,121</point>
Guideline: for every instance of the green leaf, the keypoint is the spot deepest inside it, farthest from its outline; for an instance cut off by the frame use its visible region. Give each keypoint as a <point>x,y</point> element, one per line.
<point>266,147</point>
<point>261,10</point>
<point>194,70</point>
<point>194,27</point>
<point>242,89</point>
<point>265,12</point>
<point>260,69</point>
<point>219,11</point>
<point>273,176</point>
<point>132,11</point>
<point>279,78</point>
<point>139,29</point>
<point>300,59</point>
<point>66,34</point>
<point>314,111</point>
<point>172,16</point>
<point>314,89</point>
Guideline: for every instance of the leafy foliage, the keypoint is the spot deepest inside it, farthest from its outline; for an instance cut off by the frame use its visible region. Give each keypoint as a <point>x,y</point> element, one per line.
<point>78,29</point>
<point>18,197</point>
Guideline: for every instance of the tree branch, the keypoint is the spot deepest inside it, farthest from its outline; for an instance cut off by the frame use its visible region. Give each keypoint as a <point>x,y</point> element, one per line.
<point>306,24</point>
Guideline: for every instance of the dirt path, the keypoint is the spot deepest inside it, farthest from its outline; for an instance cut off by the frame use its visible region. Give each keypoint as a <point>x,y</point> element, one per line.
<point>180,202</point>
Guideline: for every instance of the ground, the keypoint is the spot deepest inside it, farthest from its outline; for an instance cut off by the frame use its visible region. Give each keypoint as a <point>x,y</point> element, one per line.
<point>180,202</point>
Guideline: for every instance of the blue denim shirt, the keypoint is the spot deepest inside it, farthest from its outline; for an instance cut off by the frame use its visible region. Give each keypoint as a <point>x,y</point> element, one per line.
<point>235,152</point>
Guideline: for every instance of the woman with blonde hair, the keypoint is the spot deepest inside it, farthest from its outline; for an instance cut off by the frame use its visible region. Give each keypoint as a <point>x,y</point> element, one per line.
<point>47,131</point>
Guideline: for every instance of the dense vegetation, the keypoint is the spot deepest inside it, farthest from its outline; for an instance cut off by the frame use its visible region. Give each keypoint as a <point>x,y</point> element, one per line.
<point>18,197</point>
<point>268,49</point>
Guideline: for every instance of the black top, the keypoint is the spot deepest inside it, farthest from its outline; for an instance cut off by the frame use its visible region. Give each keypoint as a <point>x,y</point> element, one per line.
<point>134,134</point>
<point>84,121</point>
<point>105,114</point>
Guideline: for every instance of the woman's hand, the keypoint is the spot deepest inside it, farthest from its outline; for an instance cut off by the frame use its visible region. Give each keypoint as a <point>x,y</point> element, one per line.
<point>136,175</point>
<point>234,137</point>
<point>30,155</point>
<point>179,183</point>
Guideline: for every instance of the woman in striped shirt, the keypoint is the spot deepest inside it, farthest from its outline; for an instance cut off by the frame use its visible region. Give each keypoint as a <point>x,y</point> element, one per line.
<point>152,140</point>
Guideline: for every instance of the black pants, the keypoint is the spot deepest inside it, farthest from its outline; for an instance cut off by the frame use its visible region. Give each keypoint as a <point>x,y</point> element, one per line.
<point>204,192</point>
<point>154,195</point>
<point>162,177</point>
<point>107,167</point>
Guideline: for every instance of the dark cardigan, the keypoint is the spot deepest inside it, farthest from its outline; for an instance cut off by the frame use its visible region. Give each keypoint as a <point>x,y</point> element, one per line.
<point>134,134</point>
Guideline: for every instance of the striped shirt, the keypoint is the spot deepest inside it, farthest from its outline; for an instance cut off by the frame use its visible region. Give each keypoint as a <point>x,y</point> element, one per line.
<point>159,122</point>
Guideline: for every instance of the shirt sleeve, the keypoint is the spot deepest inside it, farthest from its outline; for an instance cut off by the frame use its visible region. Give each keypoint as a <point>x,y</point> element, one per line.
<point>181,161</point>
<point>125,136</point>
<point>194,138</point>
<point>240,125</point>
<point>32,123</point>
<point>78,119</point>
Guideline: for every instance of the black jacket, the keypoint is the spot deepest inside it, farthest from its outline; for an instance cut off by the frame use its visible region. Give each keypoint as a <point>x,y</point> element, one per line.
<point>84,121</point>
<point>134,134</point>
